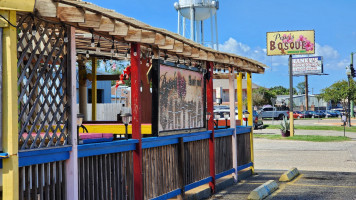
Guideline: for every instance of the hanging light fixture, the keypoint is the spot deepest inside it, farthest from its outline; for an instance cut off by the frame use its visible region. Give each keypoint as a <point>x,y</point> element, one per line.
<point>92,44</point>
<point>98,46</point>
<point>65,38</point>
<point>116,52</point>
<point>87,54</point>
<point>34,29</point>
<point>112,46</point>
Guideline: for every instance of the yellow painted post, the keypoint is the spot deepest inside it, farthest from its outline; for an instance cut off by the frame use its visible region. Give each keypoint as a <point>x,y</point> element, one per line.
<point>93,89</point>
<point>250,117</point>
<point>291,122</point>
<point>10,110</point>
<point>239,96</point>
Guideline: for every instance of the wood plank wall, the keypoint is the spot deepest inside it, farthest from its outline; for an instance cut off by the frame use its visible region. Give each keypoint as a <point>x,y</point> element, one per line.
<point>43,181</point>
<point>196,157</point>
<point>108,176</point>
<point>243,149</point>
<point>160,170</point>
<point>223,154</point>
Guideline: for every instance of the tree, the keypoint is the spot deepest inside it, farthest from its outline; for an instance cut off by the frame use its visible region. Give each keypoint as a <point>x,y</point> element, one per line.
<point>262,96</point>
<point>301,87</point>
<point>280,90</point>
<point>339,92</point>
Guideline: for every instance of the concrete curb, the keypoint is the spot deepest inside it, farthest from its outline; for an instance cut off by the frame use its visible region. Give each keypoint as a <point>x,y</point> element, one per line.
<point>264,190</point>
<point>206,192</point>
<point>289,175</point>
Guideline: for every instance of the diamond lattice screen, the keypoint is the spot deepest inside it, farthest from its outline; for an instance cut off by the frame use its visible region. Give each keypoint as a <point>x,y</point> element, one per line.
<point>42,84</point>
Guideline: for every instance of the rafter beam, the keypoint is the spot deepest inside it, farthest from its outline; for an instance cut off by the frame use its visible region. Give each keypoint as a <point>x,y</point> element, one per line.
<point>121,29</point>
<point>67,13</point>
<point>133,35</point>
<point>91,20</point>
<point>168,45</point>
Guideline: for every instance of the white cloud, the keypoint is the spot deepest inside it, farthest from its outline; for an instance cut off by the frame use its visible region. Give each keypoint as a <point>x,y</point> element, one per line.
<point>331,56</point>
<point>232,46</point>
<point>326,51</point>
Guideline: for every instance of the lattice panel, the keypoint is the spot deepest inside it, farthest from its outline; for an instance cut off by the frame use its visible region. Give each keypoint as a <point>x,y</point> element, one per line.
<point>42,84</point>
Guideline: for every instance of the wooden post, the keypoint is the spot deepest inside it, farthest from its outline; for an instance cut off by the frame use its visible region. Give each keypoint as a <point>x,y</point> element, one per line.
<point>93,89</point>
<point>250,117</point>
<point>136,118</point>
<point>72,162</point>
<point>209,99</point>
<point>239,96</point>
<point>181,169</point>
<point>10,167</point>
<point>83,90</point>
<point>233,120</point>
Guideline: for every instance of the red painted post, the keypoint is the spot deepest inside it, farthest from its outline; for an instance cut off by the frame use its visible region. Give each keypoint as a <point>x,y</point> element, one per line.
<point>136,118</point>
<point>209,101</point>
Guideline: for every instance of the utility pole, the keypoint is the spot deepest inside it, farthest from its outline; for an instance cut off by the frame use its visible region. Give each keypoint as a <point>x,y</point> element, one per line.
<point>352,101</point>
<point>306,92</point>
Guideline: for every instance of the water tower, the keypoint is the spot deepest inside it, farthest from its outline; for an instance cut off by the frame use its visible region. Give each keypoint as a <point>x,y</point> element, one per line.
<point>197,11</point>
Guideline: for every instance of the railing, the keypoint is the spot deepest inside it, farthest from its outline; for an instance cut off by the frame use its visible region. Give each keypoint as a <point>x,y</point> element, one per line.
<point>42,173</point>
<point>105,170</point>
<point>223,151</point>
<point>243,147</point>
<point>173,163</point>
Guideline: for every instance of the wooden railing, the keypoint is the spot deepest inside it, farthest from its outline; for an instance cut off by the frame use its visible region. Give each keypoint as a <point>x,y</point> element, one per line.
<point>105,170</point>
<point>223,150</point>
<point>42,173</point>
<point>243,135</point>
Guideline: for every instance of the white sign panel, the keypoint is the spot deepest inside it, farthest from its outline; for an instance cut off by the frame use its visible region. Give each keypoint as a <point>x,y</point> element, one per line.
<point>307,65</point>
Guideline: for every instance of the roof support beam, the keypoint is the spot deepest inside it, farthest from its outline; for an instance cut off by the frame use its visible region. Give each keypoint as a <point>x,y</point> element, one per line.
<point>121,29</point>
<point>91,20</point>
<point>106,25</point>
<point>68,13</point>
<point>133,35</point>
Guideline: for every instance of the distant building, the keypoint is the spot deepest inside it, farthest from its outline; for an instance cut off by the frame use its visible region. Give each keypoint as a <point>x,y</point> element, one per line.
<point>224,83</point>
<point>103,91</point>
<point>299,102</point>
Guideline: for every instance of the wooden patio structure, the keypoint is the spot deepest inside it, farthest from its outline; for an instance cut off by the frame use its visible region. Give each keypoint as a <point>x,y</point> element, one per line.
<point>42,42</point>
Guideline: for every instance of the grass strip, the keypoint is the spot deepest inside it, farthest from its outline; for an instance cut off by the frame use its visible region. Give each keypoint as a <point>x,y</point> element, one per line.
<point>325,128</point>
<point>309,138</point>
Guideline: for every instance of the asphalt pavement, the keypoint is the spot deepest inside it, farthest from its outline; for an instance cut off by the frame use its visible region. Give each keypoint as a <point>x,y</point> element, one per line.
<point>328,169</point>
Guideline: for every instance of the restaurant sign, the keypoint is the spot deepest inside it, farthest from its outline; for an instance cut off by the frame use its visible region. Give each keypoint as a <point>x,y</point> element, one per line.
<point>307,65</point>
<point>290,43</point>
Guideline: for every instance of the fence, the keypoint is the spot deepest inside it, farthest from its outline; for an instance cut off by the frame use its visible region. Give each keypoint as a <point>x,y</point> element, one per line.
<point>105,170</point>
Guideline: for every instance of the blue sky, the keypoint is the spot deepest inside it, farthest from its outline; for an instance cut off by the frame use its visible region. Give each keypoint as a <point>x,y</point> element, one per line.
<point>243,25</point>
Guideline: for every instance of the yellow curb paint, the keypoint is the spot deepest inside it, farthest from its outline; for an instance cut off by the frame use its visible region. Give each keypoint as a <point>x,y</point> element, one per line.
<point>327,186</point>
<point>289,175</point>
<point>263,191</point>
<point>296,179</point>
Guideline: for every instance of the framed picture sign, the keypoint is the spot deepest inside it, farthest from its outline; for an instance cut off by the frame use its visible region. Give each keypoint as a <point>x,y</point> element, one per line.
<point>178,93</point>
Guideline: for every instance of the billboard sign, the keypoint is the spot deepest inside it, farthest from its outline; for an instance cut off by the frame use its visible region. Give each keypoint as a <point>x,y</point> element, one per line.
<point>290,43</point>
<point>307,65</point>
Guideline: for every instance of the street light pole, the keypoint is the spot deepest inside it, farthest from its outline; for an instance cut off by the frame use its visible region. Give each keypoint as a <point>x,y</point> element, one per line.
<point>348,73</point>
<point>351,66</point>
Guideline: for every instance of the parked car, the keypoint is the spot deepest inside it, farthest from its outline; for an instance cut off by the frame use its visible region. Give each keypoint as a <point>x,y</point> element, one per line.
<point>320,113</point>
<point>298,114</point>
<point>307,114</point>
<point>273,112</point>
<point>330,113</point>
<point>257,120</point>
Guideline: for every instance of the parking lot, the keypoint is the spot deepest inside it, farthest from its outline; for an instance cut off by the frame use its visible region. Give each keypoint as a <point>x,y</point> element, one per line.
<point>328,169</point>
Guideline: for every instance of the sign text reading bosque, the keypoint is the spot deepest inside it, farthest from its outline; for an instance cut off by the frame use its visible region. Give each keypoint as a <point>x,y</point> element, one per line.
<point>290,42</point>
